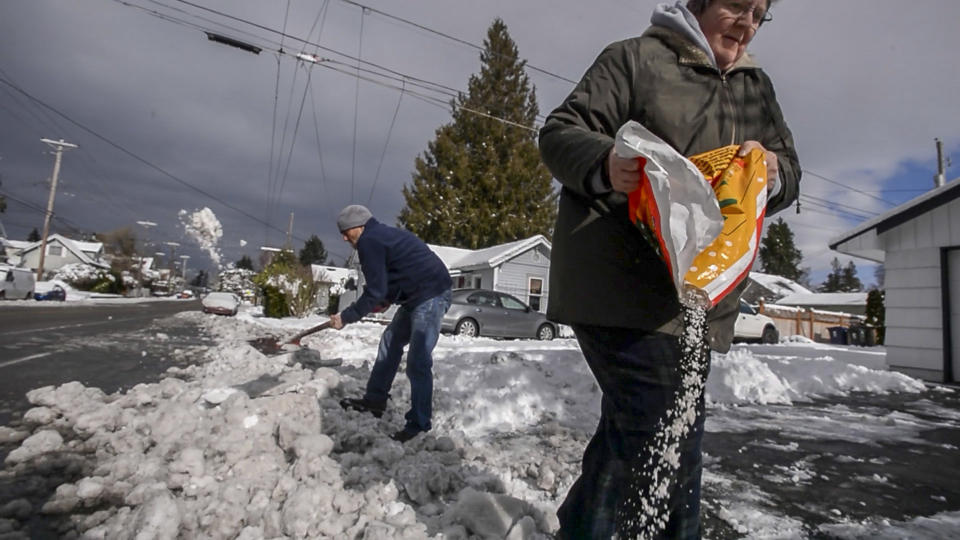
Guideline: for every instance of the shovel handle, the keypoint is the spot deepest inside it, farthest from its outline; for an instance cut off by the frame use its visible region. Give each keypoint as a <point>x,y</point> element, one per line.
<point>312,330</point>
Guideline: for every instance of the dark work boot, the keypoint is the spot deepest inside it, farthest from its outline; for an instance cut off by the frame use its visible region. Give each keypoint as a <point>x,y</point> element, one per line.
<point>364,405</point>
<point>405,434</point>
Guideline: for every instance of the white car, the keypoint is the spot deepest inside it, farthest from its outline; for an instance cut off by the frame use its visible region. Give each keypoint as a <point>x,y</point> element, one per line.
<point>221,303</point>
<point>752,326</point>
<point>16,283</point>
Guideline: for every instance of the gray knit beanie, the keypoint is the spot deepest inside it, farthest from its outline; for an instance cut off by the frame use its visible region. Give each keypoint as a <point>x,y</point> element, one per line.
<point>352,216</point>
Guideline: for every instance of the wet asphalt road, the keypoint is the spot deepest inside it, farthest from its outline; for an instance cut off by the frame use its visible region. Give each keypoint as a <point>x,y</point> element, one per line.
<point>108,346</point>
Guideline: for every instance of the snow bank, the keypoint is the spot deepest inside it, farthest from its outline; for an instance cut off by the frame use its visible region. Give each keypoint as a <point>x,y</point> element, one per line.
<point>248,446</point>
<point>743,376</point>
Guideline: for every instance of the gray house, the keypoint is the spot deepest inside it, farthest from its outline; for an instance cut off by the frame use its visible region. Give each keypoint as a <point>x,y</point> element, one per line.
<point>918,243</point>
<point>520,268</point>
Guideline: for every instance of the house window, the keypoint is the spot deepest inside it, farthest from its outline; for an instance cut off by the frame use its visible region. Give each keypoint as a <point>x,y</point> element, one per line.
<point>534,293</point>
<point>56,251</point>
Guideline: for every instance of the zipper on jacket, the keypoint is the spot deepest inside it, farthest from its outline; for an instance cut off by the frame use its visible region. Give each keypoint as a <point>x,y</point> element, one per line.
<point>728,102</point>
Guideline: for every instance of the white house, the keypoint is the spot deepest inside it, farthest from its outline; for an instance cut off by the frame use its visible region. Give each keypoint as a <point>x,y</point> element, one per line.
<point>842,302</point>
<point>13,248</point>
<point>520,268</point>
<point>918,243</point>
<point>62,251</point>
<point>331,280</point>
<point>770,288</point>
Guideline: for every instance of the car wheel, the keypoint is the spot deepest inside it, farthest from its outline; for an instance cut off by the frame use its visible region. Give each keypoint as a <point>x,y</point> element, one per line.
<point>545,332</point>
<point>770,335</point>
<point>467,327</point>
<point>28,296</point>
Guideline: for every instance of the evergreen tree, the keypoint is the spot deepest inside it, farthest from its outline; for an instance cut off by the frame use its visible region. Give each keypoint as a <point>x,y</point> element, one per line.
<point>834,279</point>
<point>842,278</point>
<point>245,263</point>
<point>200,280</point>
<point>313,252</point>
<point>876,312</point>
<point>778,253</point>
<point>34,235</point>
<point>851,283</point>
<point>481,182</point>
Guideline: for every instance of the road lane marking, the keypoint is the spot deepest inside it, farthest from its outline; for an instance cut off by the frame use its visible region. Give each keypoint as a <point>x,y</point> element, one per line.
<point>24,359</point>
<point>69,326</point>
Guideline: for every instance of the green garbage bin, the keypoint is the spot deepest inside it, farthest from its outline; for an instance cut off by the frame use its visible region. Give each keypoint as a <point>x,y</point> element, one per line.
<point>857,336</point>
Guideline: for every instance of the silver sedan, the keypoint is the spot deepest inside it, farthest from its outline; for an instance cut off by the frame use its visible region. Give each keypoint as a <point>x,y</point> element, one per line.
<point>479,312</point>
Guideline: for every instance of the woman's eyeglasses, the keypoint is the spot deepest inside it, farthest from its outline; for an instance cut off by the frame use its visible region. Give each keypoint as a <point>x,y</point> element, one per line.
<point>740,9</point>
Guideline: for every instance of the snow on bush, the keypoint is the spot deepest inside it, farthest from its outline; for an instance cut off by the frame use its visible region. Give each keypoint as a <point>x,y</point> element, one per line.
<point>81,275</point>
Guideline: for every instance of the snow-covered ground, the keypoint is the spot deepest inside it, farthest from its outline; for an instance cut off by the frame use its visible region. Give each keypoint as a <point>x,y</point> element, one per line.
<point>248,446</point>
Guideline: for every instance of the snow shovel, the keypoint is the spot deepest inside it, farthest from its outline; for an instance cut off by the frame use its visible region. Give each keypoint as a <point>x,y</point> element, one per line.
<point>272,345</point>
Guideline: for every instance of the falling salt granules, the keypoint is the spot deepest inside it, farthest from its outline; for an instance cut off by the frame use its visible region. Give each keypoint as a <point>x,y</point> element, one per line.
<point>204,228</point>
<point>643,513</point>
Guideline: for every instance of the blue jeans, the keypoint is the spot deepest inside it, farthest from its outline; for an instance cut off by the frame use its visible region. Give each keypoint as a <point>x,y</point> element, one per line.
<point>639,374</point>
<point>418,326</point>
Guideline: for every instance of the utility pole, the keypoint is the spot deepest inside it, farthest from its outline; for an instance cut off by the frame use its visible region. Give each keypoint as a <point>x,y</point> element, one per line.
<point>183,270</point>
<point>146,225</point>
<point>940,179</point>
<point>290,233</point>
<point>59,145</point>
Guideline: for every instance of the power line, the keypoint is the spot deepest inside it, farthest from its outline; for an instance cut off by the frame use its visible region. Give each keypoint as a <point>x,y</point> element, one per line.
<point>836,204</point>
<point>452,38</point>
<point>410,79</point>
<point>825,179</point>
<point>385,145</point>
<point>142,160</point>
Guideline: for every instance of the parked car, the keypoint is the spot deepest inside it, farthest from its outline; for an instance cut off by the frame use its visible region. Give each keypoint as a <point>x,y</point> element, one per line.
<point>752,326</point>
<point>16,283</point>
<point>186,293</point>
<point>221,303</point>
<point>479,312</point>
<point>56,293</point>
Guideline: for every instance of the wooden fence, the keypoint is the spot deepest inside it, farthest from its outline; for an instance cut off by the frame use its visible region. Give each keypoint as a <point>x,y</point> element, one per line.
<point>807,322</point>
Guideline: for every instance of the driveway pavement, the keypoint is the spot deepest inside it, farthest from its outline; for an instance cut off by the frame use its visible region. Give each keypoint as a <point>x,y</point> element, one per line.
<point>860,461</point>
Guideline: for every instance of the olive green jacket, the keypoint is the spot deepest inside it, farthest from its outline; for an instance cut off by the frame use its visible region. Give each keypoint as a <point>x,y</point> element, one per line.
<point>603,271</point>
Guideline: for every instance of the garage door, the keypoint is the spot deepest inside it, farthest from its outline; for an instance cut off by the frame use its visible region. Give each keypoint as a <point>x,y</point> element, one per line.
<point>953,264</point>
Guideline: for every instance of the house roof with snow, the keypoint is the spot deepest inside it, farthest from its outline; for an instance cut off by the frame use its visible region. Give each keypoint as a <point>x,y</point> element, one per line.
<point>824,299</point>
<point>332,274</point>
<point>84,251</point>
<point>867,245</point>
<point>780,286</point>
<point>470,259</point>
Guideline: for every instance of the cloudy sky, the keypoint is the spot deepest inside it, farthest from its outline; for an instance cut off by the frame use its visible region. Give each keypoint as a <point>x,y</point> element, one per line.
<point>167,120</point>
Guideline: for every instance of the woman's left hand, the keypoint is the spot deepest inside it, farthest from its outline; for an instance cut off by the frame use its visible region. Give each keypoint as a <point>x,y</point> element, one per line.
<point>770,157</point>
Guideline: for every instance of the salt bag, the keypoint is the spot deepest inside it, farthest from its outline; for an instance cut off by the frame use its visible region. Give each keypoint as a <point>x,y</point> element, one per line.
<point>740,184</point>
<point>706,213</point>
<point>673,200</point>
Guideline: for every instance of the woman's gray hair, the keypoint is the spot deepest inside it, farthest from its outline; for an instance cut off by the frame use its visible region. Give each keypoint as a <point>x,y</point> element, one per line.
<point>697,6</point>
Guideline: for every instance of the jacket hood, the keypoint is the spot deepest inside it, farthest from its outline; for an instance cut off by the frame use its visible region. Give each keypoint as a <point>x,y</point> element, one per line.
<point>679,29</point>
<point>681,20</point>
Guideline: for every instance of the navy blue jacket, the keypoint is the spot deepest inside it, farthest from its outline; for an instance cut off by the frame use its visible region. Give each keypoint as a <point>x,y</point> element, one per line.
<point>399,269</point>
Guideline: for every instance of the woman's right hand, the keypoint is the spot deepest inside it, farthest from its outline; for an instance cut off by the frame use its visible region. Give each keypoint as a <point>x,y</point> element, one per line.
<point>624,173</point>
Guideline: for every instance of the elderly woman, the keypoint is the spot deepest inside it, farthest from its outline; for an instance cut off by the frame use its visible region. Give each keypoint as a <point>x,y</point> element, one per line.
<point>689,80</point>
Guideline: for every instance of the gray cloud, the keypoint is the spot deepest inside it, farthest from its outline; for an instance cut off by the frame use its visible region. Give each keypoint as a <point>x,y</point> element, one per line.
<point>865,85</point>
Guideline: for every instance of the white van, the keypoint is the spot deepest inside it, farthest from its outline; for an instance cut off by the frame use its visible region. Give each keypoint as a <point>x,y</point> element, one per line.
<point>16,283</point>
